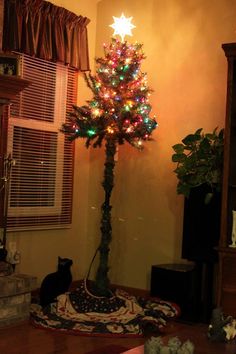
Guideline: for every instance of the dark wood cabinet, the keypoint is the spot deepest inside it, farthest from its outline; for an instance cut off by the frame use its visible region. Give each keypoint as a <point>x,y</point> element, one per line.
<point>227,255</point>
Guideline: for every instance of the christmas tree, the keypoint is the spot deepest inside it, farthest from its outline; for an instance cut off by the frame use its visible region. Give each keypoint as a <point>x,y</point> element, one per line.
<point>118,112</point>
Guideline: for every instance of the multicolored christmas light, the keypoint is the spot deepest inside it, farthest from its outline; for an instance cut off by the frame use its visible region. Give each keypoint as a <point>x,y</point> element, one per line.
<point>120,107</point>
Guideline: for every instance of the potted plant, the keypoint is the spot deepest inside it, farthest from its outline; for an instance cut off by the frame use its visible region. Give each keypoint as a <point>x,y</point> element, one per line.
<point>199,159</point>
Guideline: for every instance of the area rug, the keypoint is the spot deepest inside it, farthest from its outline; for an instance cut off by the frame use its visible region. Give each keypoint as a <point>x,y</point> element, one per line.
<point>109,349</point>
<point>122,315</point>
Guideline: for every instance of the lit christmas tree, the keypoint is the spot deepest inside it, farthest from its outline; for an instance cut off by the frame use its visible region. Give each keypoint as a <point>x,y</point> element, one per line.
<point>118,112</point>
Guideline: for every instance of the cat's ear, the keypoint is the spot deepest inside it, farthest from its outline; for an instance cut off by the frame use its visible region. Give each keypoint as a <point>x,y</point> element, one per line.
<point>59,258</point>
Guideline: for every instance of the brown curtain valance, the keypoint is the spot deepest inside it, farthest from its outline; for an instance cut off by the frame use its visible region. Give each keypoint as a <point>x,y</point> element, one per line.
<point>41,29</point>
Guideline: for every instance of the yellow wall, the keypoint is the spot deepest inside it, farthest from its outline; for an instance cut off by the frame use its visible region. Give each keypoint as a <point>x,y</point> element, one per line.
<point>40,249</point>
<point>187,69</point>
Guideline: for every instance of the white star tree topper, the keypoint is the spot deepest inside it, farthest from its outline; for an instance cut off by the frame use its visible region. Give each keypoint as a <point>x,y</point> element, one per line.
<point>122,26</point>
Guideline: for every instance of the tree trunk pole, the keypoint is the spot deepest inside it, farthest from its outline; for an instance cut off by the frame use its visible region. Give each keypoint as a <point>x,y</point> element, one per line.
<point>102,282</point>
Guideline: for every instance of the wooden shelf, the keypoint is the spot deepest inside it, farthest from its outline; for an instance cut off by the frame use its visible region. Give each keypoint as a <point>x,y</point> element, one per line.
<point>227,249</point>
<point>10,86</point>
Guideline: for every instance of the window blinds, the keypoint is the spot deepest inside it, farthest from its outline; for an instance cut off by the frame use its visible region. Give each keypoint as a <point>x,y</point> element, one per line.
<point>41,183</point>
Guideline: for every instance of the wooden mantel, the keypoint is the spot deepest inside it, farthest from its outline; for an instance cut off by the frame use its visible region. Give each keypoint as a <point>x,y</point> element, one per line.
<point>10,86</point>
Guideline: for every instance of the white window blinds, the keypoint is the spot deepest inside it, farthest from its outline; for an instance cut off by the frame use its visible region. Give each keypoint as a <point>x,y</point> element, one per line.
<point>42,176</point>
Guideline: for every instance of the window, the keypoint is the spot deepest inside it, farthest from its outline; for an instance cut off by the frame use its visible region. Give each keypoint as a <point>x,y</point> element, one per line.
<point>40,193</point>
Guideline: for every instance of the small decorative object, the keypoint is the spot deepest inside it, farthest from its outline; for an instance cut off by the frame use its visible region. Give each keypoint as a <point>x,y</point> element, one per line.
<point>122,26</point>
<point>57,283</point>
<point>233,235</point>
<point>221,328</point>
<point>155,345</point>
<point>230,330</point>
<point>9,64</point>
<point>5,267</point>
<point>3,251</point>
<point>13,258</point>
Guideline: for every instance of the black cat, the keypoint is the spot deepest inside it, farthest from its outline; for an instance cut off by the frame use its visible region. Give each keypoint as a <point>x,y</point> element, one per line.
<point>56,283</point>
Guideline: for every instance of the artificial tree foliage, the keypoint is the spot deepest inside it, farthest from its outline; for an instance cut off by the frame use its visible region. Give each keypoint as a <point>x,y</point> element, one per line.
<point>118,112</point>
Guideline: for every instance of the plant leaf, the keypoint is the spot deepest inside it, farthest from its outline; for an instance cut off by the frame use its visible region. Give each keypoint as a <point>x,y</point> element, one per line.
<point>197,132</point>
<point>178,157</point>
<point>208,198</point>
<point>178,148</point>
<point>191,138</point>
<point>183,189</point>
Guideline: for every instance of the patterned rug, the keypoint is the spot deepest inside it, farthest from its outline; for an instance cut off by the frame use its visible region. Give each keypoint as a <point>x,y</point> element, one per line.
<point>123,315</point>
<point>109,349</point>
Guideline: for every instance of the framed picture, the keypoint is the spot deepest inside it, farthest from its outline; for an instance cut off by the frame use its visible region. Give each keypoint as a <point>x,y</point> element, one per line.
<point>9,64</point>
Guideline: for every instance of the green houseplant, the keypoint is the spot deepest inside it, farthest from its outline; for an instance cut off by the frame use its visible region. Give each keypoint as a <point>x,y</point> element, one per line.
<point>199,159</point>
